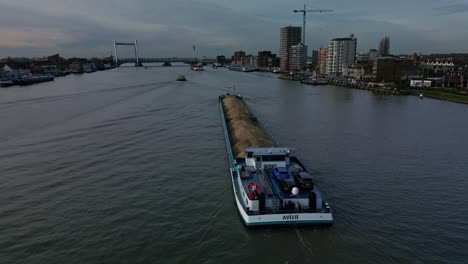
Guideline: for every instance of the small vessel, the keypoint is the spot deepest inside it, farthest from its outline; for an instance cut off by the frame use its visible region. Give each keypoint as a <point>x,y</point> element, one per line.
<point>32,79</point>
<point>197,67</point>
<point>276,71</point>
<point>315,81</point>
<point>167,64</point>
<point>421,96</point>
<point>181,78</point>
<point>242,68</point>
<point>6,83</point>
<point>271,187</point>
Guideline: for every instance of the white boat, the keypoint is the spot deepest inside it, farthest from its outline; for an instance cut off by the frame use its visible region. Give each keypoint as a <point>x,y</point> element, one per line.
<point>241,68</point>
<point>270,186</point>
<point>197,67</point>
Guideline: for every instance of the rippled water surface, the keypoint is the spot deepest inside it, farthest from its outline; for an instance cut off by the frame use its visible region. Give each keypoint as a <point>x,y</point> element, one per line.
<point>129,166</point>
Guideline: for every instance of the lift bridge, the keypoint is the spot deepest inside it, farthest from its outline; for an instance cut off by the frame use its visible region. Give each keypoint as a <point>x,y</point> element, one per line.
<point>139,61</point>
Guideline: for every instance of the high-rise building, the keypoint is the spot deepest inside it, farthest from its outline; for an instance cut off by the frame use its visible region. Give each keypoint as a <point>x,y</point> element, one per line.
<point>290,36</point>
<point>238,57</point>
<point>341,53</point>
<point>323,60</point>
<point>297,57</point>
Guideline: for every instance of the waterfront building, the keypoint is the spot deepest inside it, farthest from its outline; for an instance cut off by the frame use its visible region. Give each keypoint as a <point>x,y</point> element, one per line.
<point>323,60</point>
<point>428,82</point>
<point>238,57</point>
<point>373,53</point>
<point>262,58</point>
<point>76,67</point>
<point>290,36</point>
<point>356,72</point>
<point>387,69</point>
<point>362,57</point>
<point>221,60</point>
<point>89,67</point>
<point>341,52</point>
<point>438,66</point>
<point>410,70</point>
<point>298,57</point>
<point>12,74</point>
<point>314,60</point>
<point>49,69</point>
<point>3,75</point>
<point>273,61</point>
<point>456,78</point>
<point>249,60</point>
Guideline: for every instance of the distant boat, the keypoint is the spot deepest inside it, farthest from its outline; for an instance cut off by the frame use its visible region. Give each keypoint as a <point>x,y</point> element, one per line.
<point>197,67</point>
<point>32,79</point>
<point>242,68</point>
<point>276,71</point>
<point>315,81</point>
<point>6,83</point>
<point>167,64</point>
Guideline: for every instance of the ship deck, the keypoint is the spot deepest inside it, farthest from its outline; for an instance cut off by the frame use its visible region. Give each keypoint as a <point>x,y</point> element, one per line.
<point>271,186</point>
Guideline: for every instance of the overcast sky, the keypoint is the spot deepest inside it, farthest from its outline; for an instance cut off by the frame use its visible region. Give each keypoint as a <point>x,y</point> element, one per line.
<point>170,27</point>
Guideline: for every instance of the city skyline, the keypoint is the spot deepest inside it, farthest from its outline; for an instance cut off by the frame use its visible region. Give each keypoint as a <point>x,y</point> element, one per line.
<point>88,28</point>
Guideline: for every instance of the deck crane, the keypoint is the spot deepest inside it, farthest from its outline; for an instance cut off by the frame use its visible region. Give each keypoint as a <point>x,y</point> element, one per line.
<point>304,12</point>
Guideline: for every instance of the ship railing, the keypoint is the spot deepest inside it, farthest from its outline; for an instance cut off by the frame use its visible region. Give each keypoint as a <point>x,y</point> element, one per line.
<point>302,211</point>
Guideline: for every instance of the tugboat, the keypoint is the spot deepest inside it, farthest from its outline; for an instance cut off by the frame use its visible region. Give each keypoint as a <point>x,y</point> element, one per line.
<point>270,186</point>
<point>181,78</point>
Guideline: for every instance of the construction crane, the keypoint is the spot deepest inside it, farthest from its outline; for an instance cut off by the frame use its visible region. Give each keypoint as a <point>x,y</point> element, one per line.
<point>304,12</point>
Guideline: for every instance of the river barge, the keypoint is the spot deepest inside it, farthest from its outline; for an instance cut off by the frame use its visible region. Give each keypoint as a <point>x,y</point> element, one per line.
<point>271,187</point>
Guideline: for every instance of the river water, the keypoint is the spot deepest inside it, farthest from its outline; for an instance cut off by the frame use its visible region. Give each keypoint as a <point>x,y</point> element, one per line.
<point>129,166</point>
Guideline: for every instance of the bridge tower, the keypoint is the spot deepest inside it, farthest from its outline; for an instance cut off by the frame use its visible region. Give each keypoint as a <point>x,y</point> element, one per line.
<point>135,46</point>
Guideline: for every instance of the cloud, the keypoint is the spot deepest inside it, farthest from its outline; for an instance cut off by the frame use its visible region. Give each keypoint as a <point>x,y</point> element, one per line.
<point>170,28</point>
<point>33,38</point>
<point>452,9</point>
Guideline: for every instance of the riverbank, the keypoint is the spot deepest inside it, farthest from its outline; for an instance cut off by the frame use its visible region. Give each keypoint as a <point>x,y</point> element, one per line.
<point>435,93</point>
<point>386,90</point>
<point>441,95</point>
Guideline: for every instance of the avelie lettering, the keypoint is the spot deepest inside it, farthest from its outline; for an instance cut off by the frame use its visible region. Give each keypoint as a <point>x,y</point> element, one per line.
<point>290,217</point>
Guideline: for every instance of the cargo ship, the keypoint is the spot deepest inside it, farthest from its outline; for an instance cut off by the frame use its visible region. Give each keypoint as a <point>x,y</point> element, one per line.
<point>271,186</point>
